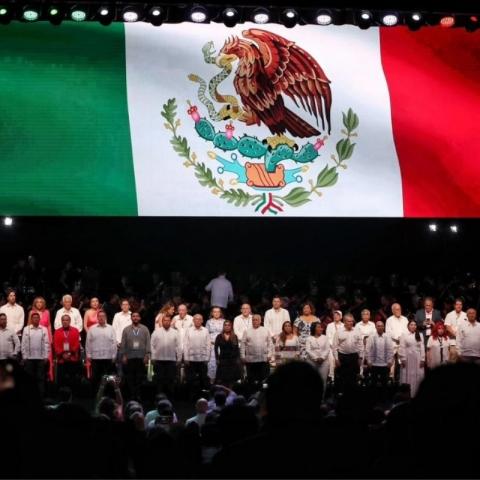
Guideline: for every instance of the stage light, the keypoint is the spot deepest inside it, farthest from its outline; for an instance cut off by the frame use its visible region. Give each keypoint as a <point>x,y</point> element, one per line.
<point>230,17</point>
<point>414,21</point>
<point>3,11</point>
<point>30,14</point>
<point>5,14</point>
<point>289,17</point>
<point>155,16</point>
<point>56,14</point>
<point>433,227</point>
<point>198,14</point>
<point>78,14</point>
<point>390,19</point>
<point>105,14</point>
<point>454,228</point>
<point>472,23</point>
<point>364,19</point>
<point>8,221</point>
<point>416,17</point>
<point>447,21</point>
<point>261,15</point>
<point>130,15</point>
<point>324,17</point>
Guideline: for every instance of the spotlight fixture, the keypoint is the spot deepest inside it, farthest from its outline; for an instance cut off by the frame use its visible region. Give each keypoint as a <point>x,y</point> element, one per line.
<point>198,14</point>
<point>472,23</point>
<point>289,17</point>
<point>78,13</point>
<point>56,14</point>
<point>230,16</point>
<point>105,14</point>
<point>433,227</point>
<point>30,14</point>
<point>261,15</point>
<point>414,20</point>
<point>8,221</point>
<point>390,19</point>
<point>364,19</point>
<point>130,15</point>
<point>454,228</point>
<point>155,15</point>
<point>5,14</point>
<point>447,22</point>
<point>324,17</point>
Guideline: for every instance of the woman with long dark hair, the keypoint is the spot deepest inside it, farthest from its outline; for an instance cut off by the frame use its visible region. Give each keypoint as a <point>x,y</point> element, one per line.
<point>302,325</point>
<point>287,345</point>
<point>227,354</point>
<point>412,357</point>
<point>318,350</point>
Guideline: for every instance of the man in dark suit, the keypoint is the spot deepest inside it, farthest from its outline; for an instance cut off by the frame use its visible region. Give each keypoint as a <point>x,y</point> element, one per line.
<point>426,317</point>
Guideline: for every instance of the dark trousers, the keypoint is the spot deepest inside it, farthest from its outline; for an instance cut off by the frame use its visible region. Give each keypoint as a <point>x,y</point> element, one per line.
<point>378,381</point>
<point>99,369</point>
<point>346,375</point>
<point>67,374</point>
<point>135,375</point>
<point>165,376</point>
<point>257,372</point>
<point>37,369</point>
<point>196,376</point>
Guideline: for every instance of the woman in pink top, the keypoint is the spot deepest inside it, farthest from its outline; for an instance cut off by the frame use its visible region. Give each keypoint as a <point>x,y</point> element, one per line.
<point>39,306</point>
<point>90,319</point>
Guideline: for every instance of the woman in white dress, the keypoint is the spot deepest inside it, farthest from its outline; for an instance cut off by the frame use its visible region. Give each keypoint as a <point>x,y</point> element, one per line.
<point>438,346</point>
<point>412,357</point>
<point>287,345</point>
<point>318,350</point>
<point>215,327</point>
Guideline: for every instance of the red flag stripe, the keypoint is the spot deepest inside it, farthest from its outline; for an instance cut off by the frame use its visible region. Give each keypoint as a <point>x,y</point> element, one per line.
<point>433,77</point>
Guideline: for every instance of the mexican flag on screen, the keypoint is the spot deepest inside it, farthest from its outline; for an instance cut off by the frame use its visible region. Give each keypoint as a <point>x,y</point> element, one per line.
<point>265,121</point>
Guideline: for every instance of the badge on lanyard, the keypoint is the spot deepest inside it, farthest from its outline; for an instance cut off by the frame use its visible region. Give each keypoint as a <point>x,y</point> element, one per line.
<point>136,342</point>
<point>66,347</point>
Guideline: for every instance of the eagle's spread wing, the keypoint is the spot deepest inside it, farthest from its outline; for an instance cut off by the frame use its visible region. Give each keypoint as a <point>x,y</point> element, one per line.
<point>294,72</point>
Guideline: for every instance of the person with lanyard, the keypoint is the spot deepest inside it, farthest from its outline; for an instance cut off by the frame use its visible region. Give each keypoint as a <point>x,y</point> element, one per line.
<point>101,349</point>
<point>66,346</point>
<point>9,342</point>
<point>438,346</point>
<point>347,350</point>
<point>379,359</point>
<point>35,351</point>
<point>135,352</point>
<point>121,320</point>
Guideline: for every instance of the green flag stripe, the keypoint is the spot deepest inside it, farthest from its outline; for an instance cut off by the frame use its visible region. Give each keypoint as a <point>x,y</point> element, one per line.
<point>64,129</point>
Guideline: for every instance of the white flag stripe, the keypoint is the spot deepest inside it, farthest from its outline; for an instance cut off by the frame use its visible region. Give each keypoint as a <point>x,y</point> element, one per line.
<point>158,62</point>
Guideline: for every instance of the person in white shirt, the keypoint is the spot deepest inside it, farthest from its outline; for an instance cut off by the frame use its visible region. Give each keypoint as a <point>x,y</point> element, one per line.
<point>101,349</point>
<point>14,312</point>
<point>275,318</point>
<point>468,338</point>
<point>221,291</point>
<point>365,328</point>
<point>182,321</point>
<point>379,358</point>
<point>197,349</point>
<point>72,312</point>
<point>121,320</point>
<point>9,342</point>
<point>412,357</point>
<point>331,330</point>
<point>453,320</point>
<point>242,322</point>
<point>35,350</point>
<point>395,327</point>
<point>257,351</point>
<point>166,354</point>
<point>347,350</point>
<point>318,349</point>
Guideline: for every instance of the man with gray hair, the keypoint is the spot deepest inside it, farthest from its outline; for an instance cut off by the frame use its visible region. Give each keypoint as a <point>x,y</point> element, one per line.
<point>395,327</point>
<point>72,312</point>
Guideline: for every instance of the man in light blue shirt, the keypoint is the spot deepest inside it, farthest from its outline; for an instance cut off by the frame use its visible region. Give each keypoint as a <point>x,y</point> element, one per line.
<point>221,291</point>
